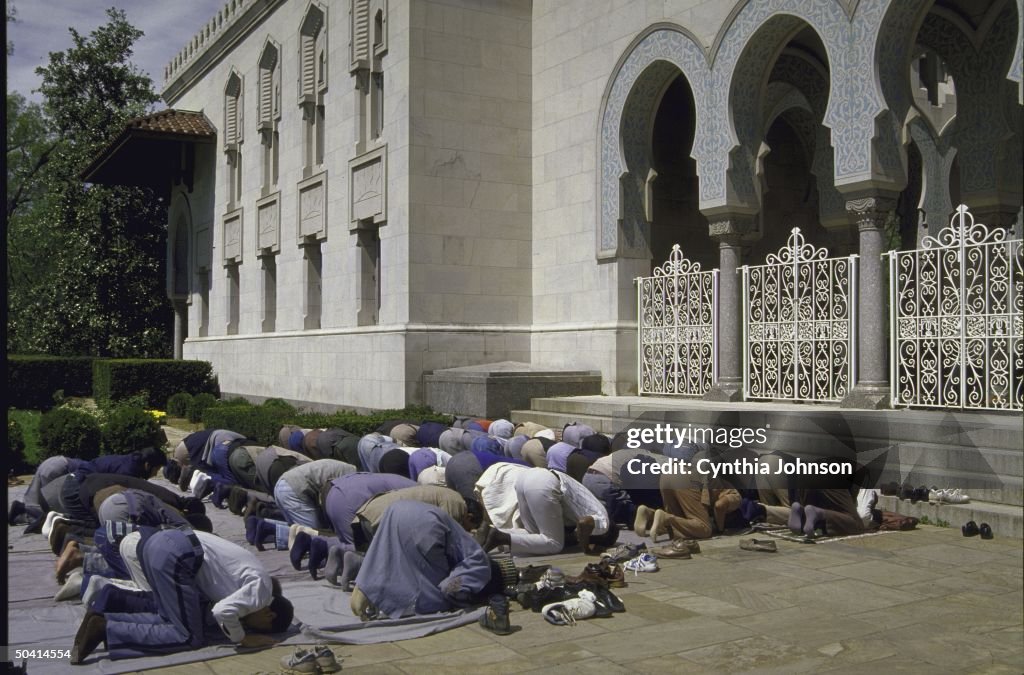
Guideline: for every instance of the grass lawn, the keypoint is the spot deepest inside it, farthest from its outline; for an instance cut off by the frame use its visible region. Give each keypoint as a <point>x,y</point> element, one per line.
<point>184,424</point>
<point>28,420</point>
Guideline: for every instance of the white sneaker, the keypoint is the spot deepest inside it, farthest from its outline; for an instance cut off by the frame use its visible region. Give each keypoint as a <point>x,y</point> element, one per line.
<point>48,523</point>
<point>568,612</point>
<point>953,497</point>
<point>645,562</point>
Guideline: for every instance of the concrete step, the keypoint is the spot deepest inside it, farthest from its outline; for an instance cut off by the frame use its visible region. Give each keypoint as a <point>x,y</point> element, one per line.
<point>555,420</point>
<point>1006,521</point>
<point>1007,490</point>
<point>972,429</point>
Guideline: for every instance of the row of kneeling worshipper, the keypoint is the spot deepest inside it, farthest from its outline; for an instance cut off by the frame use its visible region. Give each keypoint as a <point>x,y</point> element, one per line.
<point>402,518</point>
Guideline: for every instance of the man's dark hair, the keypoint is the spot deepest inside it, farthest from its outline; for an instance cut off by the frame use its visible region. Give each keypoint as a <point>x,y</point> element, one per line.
<point>474,513</point>
<point>395,461</point>
<point>283,611</point>
<point>172,471</point>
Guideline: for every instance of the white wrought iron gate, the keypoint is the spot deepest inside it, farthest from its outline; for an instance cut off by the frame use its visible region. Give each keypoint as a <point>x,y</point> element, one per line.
<point>799,328</point>
<point>956,319</point>
<point>677,339</point>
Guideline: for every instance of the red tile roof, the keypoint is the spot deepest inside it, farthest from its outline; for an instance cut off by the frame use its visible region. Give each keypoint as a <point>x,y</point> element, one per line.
<point>170,121</point>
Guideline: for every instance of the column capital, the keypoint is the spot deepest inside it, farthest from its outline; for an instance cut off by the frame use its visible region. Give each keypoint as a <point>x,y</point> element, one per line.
<point>729,227</point>
<point>870,212</point>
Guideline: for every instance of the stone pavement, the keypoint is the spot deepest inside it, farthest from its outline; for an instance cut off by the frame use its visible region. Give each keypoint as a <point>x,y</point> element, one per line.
<point>926,601</point>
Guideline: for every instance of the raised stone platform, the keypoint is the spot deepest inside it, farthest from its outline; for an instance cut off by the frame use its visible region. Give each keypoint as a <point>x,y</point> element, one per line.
<point>494,389</point>
<point>979,452</point>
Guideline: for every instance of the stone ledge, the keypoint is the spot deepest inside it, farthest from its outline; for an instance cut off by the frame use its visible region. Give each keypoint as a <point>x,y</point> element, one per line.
<point>494,390</point>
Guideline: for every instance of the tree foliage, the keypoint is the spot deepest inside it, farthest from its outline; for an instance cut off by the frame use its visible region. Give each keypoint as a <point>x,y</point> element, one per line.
<point>86,262</point>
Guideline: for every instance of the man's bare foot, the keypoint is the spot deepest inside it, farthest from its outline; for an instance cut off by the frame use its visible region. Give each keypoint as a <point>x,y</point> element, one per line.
<point>69,559</point>
<point>585,528</point>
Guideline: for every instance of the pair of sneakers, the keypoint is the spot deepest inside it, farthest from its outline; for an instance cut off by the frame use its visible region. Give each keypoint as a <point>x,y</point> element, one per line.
<point>951,496</point>
<point>316,659</point>
<point>645,562</point>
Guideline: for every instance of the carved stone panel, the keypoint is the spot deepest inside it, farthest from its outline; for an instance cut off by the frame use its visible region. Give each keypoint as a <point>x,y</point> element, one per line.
<point>204,247</point>
<point>368,188</point>
<point>313,207</point>
<point>233,237</point>
<point>268,223</point>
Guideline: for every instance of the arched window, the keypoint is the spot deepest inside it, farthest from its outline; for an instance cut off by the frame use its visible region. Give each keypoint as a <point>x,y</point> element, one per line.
<point>269,112</point>
<point>313,83</point>
<point>233,137</point>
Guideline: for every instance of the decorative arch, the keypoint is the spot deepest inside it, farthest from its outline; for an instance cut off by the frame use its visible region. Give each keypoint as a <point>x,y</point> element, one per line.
<point>638,80</point>
<point>770,22</point>
<point>180,247</point>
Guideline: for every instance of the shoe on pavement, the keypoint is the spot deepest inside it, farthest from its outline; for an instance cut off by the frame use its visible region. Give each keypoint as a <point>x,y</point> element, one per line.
<point>645,562</point>
<point>985,530</point>
<point>301,660</point>
<point>970,529</point>
<point>759,545</point>
<point>325,658</point>
<point>625,552</point>
<point>679,548</point>
<point>954,496</point>
<point>552,578</point>
<point>568,612</point>
<point>495,616</point>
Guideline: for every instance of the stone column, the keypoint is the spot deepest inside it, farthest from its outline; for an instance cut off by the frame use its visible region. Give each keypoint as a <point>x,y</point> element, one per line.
<point>871,389</point>
<point>180,327</point>
<point>728,231</point>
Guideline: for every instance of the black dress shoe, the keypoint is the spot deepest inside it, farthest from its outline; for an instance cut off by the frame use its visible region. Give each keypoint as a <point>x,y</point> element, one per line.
<point>890,489</point>
<point>985,531</point>
<point>906,492</point>
<point>971,529</point>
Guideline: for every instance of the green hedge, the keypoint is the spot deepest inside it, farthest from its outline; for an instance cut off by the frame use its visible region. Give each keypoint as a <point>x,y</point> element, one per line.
<point>27,423</point>
<point>70,432</point>
<point>262,423</point>
<point>33,380</point>
<point>158,379</point>
<point>129,428</point>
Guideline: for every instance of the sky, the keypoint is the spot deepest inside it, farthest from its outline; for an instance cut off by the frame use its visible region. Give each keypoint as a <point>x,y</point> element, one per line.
<point>41,27</point>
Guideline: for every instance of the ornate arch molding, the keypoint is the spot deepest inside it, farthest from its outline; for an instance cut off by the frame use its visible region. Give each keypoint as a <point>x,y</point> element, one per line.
<point>638,81</point>
<point>988,163</point>
<point>771,22</point>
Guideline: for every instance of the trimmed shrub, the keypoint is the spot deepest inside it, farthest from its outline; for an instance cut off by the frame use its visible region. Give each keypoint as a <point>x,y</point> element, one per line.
<point>262,423</point>
<point>281,405</point>
<point>177,405</point>
<point>32,381</point>
<point>130,428</point>
<point>16,462</point>
<point>118,379</point>
<point>28,425</point>
<point>199,403</point>
<point>70,432</point>
<point>255,422</point>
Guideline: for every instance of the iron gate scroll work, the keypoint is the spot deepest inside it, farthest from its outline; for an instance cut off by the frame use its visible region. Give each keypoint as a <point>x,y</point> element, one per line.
<point>956,319</point>
<point>799,324</point>
<point>677,339</point>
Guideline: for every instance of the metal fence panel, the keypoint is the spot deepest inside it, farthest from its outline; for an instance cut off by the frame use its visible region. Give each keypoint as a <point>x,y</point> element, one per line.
<point>676,334</point>
<point>956,311</point>
<point>799,324</point>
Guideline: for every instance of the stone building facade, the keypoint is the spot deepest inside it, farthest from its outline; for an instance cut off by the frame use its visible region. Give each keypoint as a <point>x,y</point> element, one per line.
<point>398,187</point>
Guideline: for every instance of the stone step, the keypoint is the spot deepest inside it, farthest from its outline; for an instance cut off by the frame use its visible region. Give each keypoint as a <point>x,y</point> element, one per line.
<point>1006,521</point>
<point>556,420</point>
<point>973,429</point>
